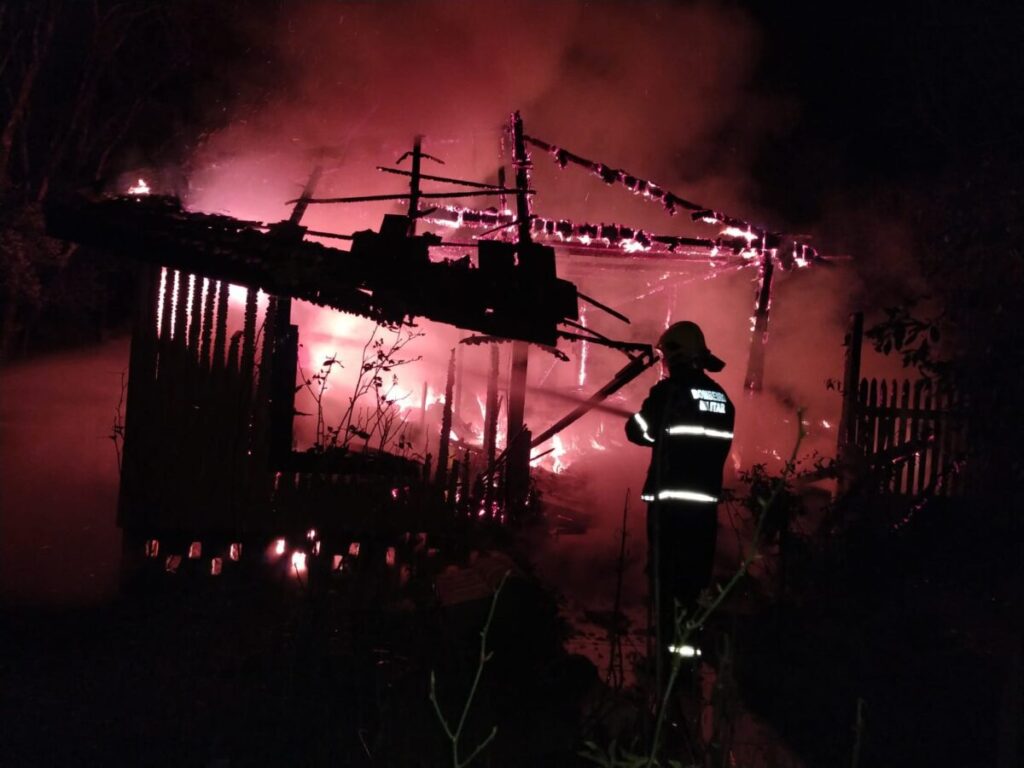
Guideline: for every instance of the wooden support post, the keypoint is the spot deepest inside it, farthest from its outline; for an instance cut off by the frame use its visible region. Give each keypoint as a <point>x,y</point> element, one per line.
<point>414,189</point>
<point>754,380</point>
<point>518,470</point>
<point>139,412</point>
<point>517,389</point>
<point>285,358</point>
<point>491,426</point>
<point>846,437</point>
<point>446,424</point>
<point>460,381</point>
<point>465,492</point>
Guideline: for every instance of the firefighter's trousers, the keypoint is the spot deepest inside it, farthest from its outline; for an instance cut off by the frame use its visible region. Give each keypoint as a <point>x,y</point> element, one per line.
<point>681,556</point>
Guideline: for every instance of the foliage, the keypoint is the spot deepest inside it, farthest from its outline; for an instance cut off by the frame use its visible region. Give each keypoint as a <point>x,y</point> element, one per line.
<point>382,421</point>
<point>784,503</point>
<point>914,338</point>
<point>89,90</point>
<point>454,737</point>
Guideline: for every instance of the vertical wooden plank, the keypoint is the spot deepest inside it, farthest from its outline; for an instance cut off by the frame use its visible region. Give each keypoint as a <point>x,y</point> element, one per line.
<point>847,433</point>
<point>905,426</point>
<point>138,413</point>
<point>446,424</point>
<point>928,435</point>
<point>861,420</point>
<point>168,298</point>
<point>180,308</point>
<point>195,315</point>
<point>220,327</point>
<point>491,427</point>
<point>936,479</point>
<point>753,381</point>
<point>952,449</point>
<point>248,351</point>
<point>916,434</point>
<point>212,287</point>
<point>895,422</point>
<point>284,364</point>
<point>466,493</point>
<point>872,425</point>
<point>884,432</point>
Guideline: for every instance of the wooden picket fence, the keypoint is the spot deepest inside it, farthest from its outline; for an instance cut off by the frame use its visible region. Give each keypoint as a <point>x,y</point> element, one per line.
<point>910,435</point>
<point>899,437</point>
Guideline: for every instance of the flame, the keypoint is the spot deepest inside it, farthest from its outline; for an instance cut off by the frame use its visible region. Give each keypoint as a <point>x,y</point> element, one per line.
<point>746,234</point>
<point>140,188</point>
<point>554,458</point>
<point>298,561</point>
<point>278,547</point>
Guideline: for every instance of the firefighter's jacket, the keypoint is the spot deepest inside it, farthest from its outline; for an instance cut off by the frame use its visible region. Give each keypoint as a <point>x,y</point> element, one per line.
<point>687,421</point>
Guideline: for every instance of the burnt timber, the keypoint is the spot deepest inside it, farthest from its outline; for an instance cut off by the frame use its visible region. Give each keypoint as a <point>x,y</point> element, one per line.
<point>387,276</point>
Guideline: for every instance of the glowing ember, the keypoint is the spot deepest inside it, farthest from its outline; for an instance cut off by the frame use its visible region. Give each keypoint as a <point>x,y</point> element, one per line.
<point>216,566</point>
<point>140,188</point>
<point>235,551</point>
<point>152,548</point>
<point>353,549</point>
<point>311,534</point>
<point>737,232</point>
<point>195,550</point>
<point>336,562</point>
<point>390,556</point>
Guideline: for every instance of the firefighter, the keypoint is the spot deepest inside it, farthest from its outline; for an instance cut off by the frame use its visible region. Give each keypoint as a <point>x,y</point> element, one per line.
<point>687,422</point>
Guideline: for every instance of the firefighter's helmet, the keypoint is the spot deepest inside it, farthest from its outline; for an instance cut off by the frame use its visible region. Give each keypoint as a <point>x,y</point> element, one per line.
<point>683,343</point>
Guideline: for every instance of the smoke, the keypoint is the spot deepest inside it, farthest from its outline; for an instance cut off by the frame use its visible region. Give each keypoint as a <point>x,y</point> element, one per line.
<point>58,476</point>
<point>663,90</point>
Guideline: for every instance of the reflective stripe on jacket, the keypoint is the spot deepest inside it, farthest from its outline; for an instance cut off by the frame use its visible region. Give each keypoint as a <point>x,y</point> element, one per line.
<point>687,420</point>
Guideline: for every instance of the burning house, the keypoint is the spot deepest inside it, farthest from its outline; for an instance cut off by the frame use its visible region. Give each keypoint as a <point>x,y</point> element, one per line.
<point>210,468</point>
